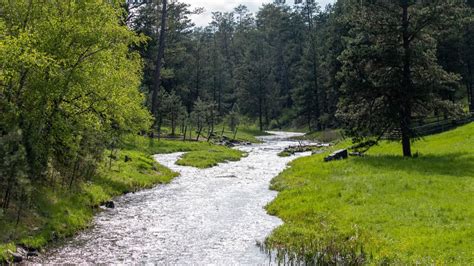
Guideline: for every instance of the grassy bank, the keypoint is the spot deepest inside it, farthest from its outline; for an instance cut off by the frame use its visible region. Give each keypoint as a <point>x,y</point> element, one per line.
<point>199,154</point>
<point>245,134</point>
<point>209,157</point>
<point>57,211</point>
<point>382,207</point>
<point>325,136</point>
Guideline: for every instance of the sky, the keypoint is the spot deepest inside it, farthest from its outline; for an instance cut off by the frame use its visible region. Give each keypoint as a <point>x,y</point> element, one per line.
<point>228,5</point>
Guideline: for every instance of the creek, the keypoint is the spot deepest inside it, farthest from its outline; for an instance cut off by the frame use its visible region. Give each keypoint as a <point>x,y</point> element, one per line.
<point>204,216</point>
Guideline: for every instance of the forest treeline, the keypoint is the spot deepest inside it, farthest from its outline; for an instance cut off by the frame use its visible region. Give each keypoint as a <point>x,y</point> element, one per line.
<point>291,65</point>
<point>76,76</point>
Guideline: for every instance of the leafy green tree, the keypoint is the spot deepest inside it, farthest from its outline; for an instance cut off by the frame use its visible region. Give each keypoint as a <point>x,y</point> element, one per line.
<point>68,86</point>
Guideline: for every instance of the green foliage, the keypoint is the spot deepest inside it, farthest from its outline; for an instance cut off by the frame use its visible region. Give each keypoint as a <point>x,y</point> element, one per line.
<point>209,157</point>
<point>232,119</point>
<point>455,55</point>
<point>68,91</point>
<point>390,71</point>
<point>204,115</point>
<point>385,207</point>
<point>284,154</point>
<point>260,62</point>
<point>4,250</point>
<point>173,110</point>
<point>280,65</point>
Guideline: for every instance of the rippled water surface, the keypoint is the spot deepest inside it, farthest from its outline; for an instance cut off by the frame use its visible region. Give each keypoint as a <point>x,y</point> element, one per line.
<point>205,216</point>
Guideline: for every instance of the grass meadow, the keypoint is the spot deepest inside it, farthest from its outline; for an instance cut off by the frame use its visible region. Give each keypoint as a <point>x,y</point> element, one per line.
<point>381,208</point>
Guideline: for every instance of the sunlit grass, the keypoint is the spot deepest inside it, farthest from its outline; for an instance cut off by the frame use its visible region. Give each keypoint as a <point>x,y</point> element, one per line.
<point>328,135</point>
<point>209,157</point>
<point>199,154</point>
<point>389,208</point>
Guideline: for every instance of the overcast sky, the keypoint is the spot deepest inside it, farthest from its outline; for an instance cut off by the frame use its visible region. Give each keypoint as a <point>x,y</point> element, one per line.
<point>228,5</point>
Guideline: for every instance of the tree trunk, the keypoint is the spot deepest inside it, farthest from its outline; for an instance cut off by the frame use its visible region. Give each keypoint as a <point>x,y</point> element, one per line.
<point>406,91</point>
<point>159,62</point>
<point>260,114</point>
<point>235,132</point>
<point>6,197</point>
<point>309,121</point>
<point>20,207</point>
<point>185,129</point>
<point>199,133</point>
<point>160,121</point>
<point>209,134</point>
<point>406,145</point>
<point>173,125</point>
<point>470,88</point>
<point>198,72</point>
<point>314,61</point>
<point>214,76</point>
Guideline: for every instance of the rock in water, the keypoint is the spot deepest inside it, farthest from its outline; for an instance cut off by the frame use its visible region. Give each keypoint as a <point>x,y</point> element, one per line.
<point>109,204</point>
<point>32,253</point>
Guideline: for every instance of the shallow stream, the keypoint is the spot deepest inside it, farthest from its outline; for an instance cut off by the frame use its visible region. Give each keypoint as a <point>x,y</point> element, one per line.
<point>204,216</point>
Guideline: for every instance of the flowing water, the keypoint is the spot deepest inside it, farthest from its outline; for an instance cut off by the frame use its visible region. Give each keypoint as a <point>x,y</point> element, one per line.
<point>205,216</point>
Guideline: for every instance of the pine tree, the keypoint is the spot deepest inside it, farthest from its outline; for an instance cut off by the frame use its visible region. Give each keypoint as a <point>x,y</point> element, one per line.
<point>390,72</point>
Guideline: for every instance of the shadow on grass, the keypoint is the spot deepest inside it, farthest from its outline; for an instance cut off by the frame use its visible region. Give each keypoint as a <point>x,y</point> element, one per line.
<point>452,164</point>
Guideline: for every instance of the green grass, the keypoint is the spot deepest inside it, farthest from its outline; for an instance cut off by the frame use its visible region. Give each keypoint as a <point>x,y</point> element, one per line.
<point>199,154</point>
<point>284,154</point>
<point>155,146</point>
<point>58,212</point>
<point>209,157</point>
<point>326,136</point>
<point>248,134</point>
<point>244,134</point>
<point>382,207</point>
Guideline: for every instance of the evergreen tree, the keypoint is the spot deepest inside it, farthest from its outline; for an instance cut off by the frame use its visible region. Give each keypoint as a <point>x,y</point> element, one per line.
<point>390,73</point>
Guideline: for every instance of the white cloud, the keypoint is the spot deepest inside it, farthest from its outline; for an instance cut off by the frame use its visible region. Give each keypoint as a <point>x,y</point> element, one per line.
<point>228,5</point>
